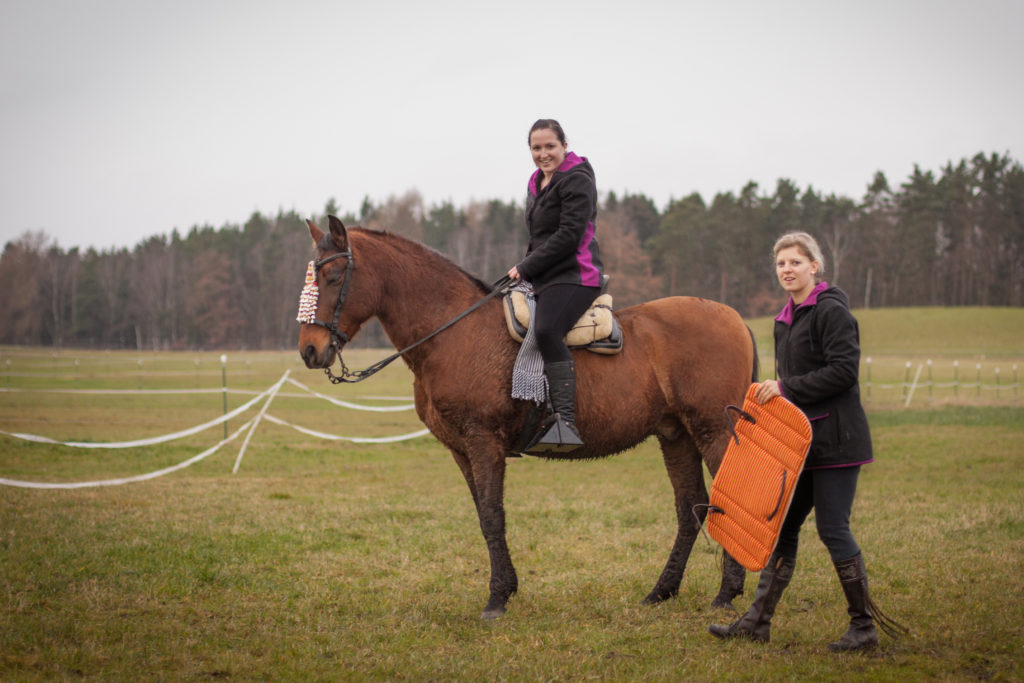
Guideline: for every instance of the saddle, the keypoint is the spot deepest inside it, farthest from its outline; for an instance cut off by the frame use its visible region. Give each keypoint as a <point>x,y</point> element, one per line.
<point>597,330</point>
<point>754,486</point>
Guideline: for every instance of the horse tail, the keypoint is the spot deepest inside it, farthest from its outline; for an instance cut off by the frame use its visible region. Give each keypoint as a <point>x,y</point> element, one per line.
<point>756,370</point>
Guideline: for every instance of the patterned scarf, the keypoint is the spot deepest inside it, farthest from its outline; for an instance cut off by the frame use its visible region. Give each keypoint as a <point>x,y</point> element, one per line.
<point>528,380</point>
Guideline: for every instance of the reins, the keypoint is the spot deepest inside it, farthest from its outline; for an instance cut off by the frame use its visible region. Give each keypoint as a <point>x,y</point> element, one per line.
<point>353,376</point>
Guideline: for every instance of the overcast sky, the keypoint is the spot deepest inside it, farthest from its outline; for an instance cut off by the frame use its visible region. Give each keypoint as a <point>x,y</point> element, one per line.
<point>124,119</point>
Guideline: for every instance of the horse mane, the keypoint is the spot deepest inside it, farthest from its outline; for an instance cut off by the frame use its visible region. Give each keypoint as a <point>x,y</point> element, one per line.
<point>424,253</point>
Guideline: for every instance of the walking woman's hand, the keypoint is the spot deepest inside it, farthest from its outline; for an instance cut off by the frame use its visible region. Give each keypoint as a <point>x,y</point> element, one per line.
<point>767,390</point>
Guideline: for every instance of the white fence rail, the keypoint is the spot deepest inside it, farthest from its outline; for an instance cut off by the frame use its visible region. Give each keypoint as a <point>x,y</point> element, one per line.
<point>987,383</point>
<point>267,396</point>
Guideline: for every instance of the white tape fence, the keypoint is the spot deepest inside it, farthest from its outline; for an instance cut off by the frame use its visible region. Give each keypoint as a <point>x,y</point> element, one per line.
<point>267,396</point>
<point>967,383</point>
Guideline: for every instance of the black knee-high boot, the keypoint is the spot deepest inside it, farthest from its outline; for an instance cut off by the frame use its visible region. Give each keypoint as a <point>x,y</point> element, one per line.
<point>864,614</point>
<point>559,434</point>
<point>756,623</point>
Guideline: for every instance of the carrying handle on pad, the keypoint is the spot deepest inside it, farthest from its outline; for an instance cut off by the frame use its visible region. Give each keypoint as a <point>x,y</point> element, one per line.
<point>732,425</point>
<point>782,494</point>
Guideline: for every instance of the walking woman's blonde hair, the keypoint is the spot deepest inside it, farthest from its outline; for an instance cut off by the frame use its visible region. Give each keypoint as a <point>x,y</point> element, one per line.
<point>807,245</point>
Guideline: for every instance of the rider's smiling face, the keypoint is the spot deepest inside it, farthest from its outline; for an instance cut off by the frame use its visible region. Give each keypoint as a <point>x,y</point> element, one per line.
<point>547,150</point>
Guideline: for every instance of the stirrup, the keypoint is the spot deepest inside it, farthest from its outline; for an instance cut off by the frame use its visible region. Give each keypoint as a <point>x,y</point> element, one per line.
<point>559,437</point>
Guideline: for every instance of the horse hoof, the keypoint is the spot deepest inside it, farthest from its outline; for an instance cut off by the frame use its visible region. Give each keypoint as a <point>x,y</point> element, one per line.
<point>656,597</point>
<point>495,608</point>
<point>719,603</point>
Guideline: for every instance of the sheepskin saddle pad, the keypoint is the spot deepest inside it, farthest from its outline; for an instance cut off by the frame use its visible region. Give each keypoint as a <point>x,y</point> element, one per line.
<point>597,330</point>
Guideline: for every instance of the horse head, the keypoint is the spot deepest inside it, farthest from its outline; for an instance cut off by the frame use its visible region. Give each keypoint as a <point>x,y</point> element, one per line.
<point>333,305</point>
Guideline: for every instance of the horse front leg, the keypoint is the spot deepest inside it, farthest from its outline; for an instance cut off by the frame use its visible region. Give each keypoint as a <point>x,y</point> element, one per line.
<point>467,472</point>
<point>684,465</point>
<point>485,476</point>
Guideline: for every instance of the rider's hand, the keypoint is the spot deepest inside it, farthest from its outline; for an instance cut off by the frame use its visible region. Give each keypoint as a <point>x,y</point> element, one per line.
<point>514,273</point>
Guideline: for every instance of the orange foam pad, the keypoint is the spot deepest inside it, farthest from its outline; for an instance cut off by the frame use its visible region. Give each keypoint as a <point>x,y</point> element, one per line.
<point>754,486</point>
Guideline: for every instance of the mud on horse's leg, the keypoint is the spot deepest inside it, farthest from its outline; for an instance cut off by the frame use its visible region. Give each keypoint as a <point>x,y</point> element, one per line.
<point>684,465</point>
<point>486,479</point>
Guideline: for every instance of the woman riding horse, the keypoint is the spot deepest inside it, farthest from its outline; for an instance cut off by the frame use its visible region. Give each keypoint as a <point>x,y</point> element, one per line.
<point>563,264</point>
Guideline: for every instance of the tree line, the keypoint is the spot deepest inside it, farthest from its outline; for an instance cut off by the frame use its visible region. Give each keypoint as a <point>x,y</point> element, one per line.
<point>951,238</point>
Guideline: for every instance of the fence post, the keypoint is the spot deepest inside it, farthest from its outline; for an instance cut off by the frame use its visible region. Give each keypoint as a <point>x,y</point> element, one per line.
<point>978,367</point>
<point>9,373</point>
<point>224,388</point>
<point>1014,382</point>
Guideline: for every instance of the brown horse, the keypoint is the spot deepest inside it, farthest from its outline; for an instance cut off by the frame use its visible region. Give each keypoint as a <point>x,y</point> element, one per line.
<point>684,360</point>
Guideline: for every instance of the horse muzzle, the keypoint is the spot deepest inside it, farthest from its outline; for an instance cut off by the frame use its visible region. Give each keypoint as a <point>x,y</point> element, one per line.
<point>315,359</point>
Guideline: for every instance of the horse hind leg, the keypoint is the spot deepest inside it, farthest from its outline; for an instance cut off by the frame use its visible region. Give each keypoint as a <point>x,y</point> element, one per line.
<point>734,575</point>
<point>684,465</point>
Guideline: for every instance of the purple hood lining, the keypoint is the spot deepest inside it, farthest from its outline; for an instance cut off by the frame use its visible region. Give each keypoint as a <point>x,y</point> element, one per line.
<point>571,161</point>
<point>786,314</point>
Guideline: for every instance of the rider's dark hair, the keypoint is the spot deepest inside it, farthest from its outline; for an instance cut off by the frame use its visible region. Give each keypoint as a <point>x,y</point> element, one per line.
<point>547,124</point>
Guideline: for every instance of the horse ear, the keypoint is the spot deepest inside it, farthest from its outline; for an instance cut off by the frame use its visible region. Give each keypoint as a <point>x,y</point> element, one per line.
<point>338,232</point>
<point>316,233</point>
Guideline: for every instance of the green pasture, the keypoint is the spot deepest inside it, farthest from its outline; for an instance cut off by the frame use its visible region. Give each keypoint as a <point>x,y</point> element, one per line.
<point>323,560</point>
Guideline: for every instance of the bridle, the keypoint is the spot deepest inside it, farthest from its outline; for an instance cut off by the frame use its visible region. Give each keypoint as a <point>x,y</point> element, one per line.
<point>339,338</point>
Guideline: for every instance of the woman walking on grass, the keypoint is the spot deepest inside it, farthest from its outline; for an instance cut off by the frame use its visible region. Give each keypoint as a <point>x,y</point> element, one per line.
<point>817,357</point>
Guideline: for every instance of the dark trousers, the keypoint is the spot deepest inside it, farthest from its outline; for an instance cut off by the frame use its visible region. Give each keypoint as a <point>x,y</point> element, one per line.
<point>829,493</point>
<point>558,309</point>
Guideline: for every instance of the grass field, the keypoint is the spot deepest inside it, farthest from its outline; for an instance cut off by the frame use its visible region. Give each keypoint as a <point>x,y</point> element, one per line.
<point>338,561</point>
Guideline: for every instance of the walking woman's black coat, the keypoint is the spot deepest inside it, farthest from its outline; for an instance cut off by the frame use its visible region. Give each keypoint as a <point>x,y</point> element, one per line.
<point>817,358</point>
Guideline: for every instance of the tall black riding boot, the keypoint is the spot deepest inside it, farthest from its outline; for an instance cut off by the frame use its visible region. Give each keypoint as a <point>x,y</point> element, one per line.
<point>559,435</point>
<point>864,614</point>
<point>756,623</point>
